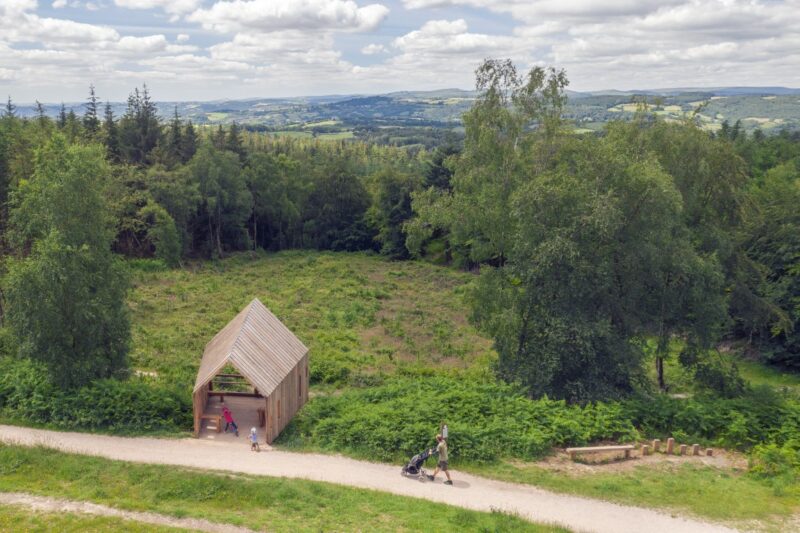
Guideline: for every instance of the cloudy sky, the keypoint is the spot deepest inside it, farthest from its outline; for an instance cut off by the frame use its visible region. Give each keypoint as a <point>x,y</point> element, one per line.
<point>208,49</point>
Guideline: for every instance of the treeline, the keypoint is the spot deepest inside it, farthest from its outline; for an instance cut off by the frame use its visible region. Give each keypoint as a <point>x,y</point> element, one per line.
<point>595,252</point>
<point>175,190</point>
<point>600,252</point>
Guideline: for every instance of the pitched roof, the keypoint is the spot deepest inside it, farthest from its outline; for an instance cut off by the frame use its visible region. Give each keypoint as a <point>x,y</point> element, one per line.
<point>257,344</point>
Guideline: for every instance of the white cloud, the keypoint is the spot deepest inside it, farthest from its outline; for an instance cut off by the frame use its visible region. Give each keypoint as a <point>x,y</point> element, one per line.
<point>58,4</point>
<point>276,15</point>
<point>182,37</point>
<point>372,49</point>
<point>172,7</point>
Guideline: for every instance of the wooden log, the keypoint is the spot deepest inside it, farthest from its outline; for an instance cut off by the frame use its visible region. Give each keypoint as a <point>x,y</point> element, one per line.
<point>709,452</point>
<point>684,447</point>
<point>670,445</point>
<point>656,445</point>
<point>646,449</point>
<point>695,449</point>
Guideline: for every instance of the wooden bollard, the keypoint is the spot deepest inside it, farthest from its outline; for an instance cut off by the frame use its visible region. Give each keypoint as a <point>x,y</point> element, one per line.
<point>645,449</point>
<point>670,445</point>
<point>656,445</point>
<point>684,447</point>
<point>695,449</point>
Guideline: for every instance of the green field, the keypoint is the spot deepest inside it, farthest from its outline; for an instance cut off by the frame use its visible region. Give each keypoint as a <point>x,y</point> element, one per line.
<point>720,494</point>
<point>15,518</point>
<point>360,315</point>
<point>255,502</point>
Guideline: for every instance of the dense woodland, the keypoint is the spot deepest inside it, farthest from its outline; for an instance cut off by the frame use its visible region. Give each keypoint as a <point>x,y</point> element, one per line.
<point>593,252</point>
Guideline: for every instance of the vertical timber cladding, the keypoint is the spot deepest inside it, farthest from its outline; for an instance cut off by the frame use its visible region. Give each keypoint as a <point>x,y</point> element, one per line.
<point>268,355</point>
<point>286,400</point>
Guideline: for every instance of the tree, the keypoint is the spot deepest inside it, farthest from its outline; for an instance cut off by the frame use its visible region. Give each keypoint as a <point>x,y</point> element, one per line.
<point>226,202</point>
<point>511,132</point>
<point>391,209</point>
<point>139,128</point>
<point>601,262</point>
<point>188,143</point>
<point>111,135</point>
<point>66,298</point>
<point>334,217</point>
<point>62,117</point>
<point>277,194</point>
<point>11,109</point>
<point>162,234</point>
<point>233,142</point>
<point>174,141</point>
<point>41,115</point>
<point>72,127</point>
<point>91,120</point>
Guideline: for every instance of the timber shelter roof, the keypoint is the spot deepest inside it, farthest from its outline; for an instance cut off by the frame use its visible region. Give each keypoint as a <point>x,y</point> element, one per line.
<point>257,344</point>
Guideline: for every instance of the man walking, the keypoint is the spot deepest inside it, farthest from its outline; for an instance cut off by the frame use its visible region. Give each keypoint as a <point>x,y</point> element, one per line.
<point>441,451</point>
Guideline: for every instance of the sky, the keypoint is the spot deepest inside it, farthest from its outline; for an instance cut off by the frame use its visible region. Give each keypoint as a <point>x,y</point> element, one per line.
<point>52,50</point>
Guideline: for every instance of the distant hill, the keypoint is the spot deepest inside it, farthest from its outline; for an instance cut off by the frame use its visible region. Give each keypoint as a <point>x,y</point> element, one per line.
<point>359,115</point>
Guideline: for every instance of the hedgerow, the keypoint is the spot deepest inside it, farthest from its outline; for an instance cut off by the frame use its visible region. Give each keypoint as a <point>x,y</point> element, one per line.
<point>489,421</point>
<point>486,421</point>
<point>118,406</point>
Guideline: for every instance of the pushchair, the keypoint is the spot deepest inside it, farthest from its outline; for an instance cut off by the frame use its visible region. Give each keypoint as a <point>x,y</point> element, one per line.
<point>414,466</point>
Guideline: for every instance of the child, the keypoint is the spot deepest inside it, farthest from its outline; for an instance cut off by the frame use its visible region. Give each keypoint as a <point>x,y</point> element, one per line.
<point>254,440</point>
<point>229,420</point>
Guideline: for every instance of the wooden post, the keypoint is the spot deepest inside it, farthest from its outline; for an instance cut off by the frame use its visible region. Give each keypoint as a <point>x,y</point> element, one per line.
<point>684,447</point>
<point>709,452</point>
<point>670,445</point>
<point>645,449</point>
<point>656,445</point>
<point>695,449</point>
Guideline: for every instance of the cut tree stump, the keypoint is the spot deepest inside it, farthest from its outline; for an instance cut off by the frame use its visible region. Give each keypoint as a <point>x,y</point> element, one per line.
<point>646,449</point>
<point>656,445</point>
<point>684,447</point>
<point>670,445</point>
<point>695,449</point>
<point>709,452</point>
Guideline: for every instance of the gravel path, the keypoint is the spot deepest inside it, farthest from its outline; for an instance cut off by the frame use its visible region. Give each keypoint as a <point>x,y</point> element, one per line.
<point>57,505</point>
<point>470,492</point>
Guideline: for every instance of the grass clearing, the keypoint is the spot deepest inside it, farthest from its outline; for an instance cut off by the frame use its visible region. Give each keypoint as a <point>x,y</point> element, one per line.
<point>16,518</point>
<point>361,316</point>
<point>705,491</point>
<point>249,501</point>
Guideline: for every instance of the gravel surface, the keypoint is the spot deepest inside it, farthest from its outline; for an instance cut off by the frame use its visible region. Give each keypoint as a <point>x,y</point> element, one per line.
<point>468,491</point>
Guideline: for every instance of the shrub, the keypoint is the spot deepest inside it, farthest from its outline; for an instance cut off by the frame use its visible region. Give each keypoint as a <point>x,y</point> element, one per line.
<point>122,406</point>
<point>486,421</point>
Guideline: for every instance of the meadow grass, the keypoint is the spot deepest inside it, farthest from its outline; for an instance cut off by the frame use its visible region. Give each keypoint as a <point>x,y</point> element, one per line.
<point>250,501</point>
<point>705,491</point>
<point>360,315</point>
<point>759,374</point>
<point>16,518</point>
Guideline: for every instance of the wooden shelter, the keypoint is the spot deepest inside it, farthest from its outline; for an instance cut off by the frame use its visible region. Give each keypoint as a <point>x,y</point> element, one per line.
<point>267,356</point>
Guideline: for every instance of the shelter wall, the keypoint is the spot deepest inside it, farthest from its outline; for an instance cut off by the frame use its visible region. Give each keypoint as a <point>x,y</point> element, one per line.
<point>287,399</point>
<point>199,400</point>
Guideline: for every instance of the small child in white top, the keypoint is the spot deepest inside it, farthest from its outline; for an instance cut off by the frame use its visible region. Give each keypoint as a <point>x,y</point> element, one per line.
<point>254,440</point>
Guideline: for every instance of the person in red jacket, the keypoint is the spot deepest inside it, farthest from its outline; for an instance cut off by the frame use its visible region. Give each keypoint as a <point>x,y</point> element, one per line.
<point>229,420</point>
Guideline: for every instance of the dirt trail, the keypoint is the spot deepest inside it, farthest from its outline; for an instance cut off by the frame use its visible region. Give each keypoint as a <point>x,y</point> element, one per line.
<point>470,492</point>
<point>56,505</point>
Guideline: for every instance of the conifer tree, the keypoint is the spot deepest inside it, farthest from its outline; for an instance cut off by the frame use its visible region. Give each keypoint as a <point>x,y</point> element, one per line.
<point>233,142</point>
<point>188,142</point>
<point>111,135</point>
<point>91,122</point>
<point>174,140</point>
<point>11,109</point>
<point>41,117</point>
<point>219,140</point>
<point>62,117</point>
